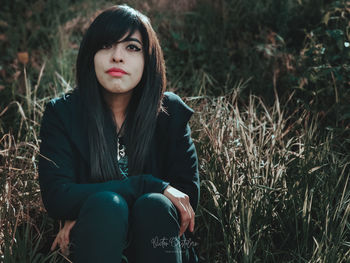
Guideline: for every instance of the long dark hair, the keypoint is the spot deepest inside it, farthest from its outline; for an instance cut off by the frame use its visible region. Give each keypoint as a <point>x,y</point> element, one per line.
<point>146,101</point>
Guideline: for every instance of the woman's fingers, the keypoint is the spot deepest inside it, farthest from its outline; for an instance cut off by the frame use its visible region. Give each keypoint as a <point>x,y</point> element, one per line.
<point>191,221</point>
<point>65,250</point>
<point>182,203</point>
<point>66,236</point>
<point>62,238</point>
<point>187,219</point>
<point>184,225</point>
<point>68,227</point>
<point>183,215</point>
<point>54,244</point>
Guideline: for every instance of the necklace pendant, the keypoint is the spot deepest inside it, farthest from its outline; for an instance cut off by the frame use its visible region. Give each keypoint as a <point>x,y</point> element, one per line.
<point>120,150</point>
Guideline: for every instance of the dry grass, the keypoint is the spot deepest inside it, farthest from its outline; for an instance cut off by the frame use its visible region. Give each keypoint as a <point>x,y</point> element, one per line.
<point>271,188</point>
<point>262,172</point>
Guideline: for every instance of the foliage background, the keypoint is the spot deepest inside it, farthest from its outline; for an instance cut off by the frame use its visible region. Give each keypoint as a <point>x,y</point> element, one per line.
<point>269,81</point>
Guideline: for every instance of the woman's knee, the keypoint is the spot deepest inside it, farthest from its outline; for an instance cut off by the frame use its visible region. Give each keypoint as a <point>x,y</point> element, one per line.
<point>106,204</point>
<point>104,217</point>
<point>154,204</point>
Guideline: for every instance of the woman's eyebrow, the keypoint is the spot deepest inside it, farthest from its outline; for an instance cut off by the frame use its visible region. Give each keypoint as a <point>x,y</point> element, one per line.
<point>130,39</point>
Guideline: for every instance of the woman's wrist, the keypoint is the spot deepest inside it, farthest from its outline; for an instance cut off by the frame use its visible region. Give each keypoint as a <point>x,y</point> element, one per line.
<point>169,186</point>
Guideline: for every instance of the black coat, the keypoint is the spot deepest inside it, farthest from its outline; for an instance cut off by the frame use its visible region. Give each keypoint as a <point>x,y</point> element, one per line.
<point>64,160</point>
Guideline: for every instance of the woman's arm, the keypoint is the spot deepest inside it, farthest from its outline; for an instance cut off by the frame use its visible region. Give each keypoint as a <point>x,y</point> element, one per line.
<point>183,167</point>
<point>182,162</point>
<point>61,195</point>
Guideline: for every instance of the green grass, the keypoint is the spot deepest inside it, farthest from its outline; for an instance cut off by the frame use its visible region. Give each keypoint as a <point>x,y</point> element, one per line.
<point>271,125</point>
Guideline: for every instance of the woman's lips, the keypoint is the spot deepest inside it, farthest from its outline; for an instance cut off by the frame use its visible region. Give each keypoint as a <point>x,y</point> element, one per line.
<point>116,72</point>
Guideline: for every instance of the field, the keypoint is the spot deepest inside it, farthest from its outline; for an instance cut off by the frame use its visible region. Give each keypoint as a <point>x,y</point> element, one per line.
<point>270,85</point>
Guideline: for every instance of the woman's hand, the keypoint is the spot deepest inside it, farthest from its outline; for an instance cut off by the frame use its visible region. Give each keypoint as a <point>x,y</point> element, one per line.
<point>62,238</point>
<point>182,203</point>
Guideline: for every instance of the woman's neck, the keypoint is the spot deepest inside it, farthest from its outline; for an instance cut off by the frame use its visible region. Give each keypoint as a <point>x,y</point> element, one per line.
<point>118,103</point>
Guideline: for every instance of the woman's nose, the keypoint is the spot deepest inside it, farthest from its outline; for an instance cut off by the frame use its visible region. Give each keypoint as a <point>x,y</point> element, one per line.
<point>117,55</point>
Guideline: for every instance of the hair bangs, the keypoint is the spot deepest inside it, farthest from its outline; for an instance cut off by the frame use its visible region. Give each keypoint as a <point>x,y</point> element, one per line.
<point>114,26</point>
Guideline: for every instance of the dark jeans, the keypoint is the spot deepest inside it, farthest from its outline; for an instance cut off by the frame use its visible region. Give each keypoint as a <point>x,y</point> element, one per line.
<point>107,228</point>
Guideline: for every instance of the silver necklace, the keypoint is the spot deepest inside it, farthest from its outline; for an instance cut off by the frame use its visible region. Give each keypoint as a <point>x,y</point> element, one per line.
<point>120,149</point>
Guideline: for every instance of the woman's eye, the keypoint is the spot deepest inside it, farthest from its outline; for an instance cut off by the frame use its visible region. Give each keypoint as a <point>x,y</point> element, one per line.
<point>107,46</point>
<point>133,47</point>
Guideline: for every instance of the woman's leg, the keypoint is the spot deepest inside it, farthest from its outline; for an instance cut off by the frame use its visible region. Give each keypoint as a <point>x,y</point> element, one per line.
<point>100,232</point>
<point>154,226</point>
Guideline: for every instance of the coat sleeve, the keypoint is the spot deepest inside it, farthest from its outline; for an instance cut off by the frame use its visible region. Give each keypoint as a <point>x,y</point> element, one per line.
<point>183,161</point>
<point>61,195</point>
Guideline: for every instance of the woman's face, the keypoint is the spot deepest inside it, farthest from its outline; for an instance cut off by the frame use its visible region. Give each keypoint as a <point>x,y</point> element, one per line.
<point>119,67</point>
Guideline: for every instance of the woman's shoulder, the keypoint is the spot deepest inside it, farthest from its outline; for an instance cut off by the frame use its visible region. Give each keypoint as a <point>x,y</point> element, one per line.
<point>63,103</point>
<point>62,107</point>
<point>174,101</point>
<point>64,99</point>
<point>175,109</point>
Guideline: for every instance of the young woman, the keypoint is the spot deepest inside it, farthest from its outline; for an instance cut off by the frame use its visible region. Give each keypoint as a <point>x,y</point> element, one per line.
<point>117,162</point>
